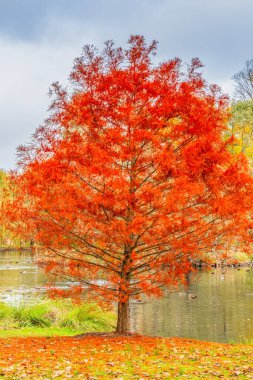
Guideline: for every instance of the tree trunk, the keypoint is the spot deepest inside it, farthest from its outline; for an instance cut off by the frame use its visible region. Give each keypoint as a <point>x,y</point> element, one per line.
<point>123,323</point>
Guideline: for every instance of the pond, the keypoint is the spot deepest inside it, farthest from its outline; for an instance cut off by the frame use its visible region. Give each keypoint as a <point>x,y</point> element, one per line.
<point>221,311</point>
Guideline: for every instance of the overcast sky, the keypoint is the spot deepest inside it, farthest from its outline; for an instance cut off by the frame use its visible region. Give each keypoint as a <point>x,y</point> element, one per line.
<point>39,40</point>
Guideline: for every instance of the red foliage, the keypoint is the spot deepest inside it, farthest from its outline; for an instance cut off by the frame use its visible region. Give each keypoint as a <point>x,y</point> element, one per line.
<point>129,180</point>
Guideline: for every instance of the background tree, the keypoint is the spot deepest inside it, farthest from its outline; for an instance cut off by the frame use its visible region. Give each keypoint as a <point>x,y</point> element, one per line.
<point>244,82</point>
<point>129,181</point>
<point>3,181</point>
<point>241,129</point>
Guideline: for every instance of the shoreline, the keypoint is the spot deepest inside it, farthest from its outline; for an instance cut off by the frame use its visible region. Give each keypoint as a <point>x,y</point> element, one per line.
<point>15,249</point>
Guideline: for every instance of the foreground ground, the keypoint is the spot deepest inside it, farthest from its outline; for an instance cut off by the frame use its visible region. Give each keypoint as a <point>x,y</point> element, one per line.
<point>135,357</point>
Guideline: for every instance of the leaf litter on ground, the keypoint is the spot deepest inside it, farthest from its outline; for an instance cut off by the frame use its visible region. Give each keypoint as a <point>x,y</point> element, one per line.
<point>93,357</point>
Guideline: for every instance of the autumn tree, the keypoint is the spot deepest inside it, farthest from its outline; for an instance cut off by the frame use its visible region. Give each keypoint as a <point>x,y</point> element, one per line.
<point>129,181</point>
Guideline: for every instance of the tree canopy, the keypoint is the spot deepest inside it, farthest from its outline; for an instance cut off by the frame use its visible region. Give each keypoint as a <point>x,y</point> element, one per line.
<point>129,180</point>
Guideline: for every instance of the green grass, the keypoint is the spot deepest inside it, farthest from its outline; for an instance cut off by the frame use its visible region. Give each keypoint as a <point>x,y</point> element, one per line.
<point>25,332</point>
<point>52,318</point>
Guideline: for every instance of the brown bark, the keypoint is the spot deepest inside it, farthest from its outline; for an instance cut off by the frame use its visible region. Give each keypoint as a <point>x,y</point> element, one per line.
<point>123,323</point>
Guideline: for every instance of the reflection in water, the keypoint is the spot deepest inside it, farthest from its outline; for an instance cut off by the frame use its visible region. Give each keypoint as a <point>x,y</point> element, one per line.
<point>222,310</point>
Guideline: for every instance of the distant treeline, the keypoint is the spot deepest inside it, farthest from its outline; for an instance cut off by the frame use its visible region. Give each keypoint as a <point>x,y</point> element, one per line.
<point>7,238</point>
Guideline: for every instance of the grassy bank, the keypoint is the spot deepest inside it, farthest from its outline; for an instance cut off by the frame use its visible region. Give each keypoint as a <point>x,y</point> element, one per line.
<point>52,318</point>
<point>122,358</point>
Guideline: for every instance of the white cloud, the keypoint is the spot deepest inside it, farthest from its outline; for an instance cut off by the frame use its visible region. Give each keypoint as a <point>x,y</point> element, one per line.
<point>26,71</point>
<point>27,68</point>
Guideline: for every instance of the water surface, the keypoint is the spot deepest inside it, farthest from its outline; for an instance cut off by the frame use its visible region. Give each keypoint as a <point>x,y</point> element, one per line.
<point>222,310</point>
